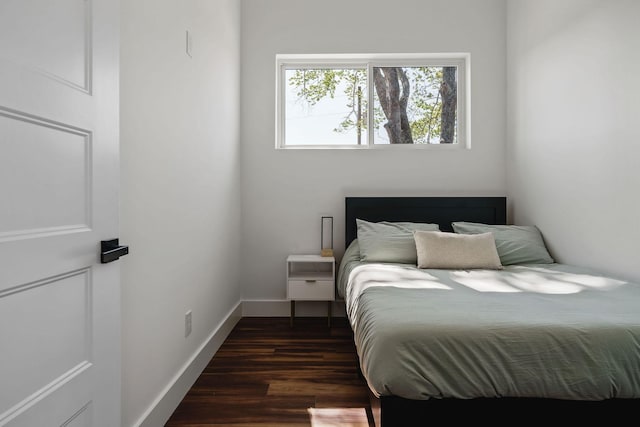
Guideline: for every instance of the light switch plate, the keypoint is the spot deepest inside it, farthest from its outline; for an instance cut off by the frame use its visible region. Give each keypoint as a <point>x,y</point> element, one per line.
<point>187,323</point>
<point>189,44</point>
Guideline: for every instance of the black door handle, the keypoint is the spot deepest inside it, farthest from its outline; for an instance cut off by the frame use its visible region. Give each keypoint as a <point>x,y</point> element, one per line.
<point>110,250</point>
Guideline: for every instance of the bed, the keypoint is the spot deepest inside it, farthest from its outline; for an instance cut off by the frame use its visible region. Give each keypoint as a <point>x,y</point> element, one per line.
<point>531,336</point>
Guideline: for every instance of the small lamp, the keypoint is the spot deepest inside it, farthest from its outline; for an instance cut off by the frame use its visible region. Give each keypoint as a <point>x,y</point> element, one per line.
<point>326,236</point>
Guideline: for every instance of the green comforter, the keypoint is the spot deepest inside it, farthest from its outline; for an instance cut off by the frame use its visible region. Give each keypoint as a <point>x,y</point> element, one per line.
<point>552,330</point>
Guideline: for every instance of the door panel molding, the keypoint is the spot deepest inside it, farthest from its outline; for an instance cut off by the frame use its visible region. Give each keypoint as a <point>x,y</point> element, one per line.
<point>46,400</point>
<point>42,31</point>
<point>60,309</point>
<point>58,184</point>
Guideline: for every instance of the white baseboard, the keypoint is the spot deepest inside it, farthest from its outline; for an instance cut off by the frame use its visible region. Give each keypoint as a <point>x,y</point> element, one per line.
<point>164,406</point>
<point>280,308</point>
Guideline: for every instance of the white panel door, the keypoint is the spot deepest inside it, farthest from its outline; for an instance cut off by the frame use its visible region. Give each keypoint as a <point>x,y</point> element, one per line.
<point>59,306</point>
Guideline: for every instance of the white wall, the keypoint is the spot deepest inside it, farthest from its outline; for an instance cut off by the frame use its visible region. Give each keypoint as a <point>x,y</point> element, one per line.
<point>180,186</point>
<point>285,192</point>
<point>573,134</point>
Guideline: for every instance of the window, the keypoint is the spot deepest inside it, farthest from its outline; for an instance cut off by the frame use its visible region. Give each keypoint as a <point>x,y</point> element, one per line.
<point>372,101</point>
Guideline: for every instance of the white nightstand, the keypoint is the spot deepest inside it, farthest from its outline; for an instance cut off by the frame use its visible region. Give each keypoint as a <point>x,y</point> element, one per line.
<point>311,278</point>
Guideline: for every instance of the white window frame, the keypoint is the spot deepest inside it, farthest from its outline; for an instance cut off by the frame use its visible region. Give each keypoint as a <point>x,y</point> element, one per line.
<point>462,60</point>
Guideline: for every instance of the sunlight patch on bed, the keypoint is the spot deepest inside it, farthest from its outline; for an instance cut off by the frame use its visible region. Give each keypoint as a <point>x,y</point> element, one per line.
<point>525,279</point>
<point>338,417</point>
<point>528,282</point>
<point>584,281</point>
<point>398,276</point>
<point>482,281</point>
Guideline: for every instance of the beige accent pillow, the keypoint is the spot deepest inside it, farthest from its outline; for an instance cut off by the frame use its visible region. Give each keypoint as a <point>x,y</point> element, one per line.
<point>437,249</point>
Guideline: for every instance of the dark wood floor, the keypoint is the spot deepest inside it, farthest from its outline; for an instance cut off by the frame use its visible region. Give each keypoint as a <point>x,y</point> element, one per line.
<point>270,374</point>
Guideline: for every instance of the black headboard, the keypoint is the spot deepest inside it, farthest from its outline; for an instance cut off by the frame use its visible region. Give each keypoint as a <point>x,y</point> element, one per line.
<point>439,210</point>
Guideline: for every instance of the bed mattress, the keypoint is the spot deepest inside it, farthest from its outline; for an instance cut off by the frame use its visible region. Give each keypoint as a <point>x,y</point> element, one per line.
<point>551,331</point>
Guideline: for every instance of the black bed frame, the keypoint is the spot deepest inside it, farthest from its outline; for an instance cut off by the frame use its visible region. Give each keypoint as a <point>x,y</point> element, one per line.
<point>438,210</point>
<point>396,411</point>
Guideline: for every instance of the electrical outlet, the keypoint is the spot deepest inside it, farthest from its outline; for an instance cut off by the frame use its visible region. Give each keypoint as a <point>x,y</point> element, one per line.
<point>187,324</point>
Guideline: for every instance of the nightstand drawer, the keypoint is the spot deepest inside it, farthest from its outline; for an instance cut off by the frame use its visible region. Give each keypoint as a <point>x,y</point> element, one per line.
<point>321,290</point>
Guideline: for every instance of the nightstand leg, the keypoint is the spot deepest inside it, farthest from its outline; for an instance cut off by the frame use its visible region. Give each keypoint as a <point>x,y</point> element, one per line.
<point>293,312</point>
<point>329,311</point>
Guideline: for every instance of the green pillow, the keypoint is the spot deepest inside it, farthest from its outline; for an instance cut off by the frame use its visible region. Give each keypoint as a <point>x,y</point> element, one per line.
<point>389,241</point>
<point>516,244</point>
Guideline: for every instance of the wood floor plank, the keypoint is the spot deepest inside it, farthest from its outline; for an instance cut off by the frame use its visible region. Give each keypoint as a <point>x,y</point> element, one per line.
<point>293,388</point>
<point>268,373</point>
